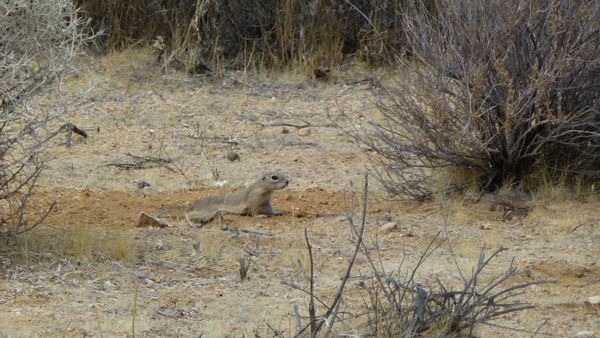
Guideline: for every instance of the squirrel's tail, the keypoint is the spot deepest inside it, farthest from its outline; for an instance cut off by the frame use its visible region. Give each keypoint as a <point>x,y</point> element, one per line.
<point>171,210</point>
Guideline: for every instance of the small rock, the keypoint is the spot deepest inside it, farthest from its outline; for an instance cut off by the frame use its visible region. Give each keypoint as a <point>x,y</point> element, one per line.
<point>304,132</point>
<point>233,156</point>
<point>593,300</point>
<point>585,334</point>
<point>221,183</point>
<point>159,245</point>
<point>284,130</point>
<point>387,228</point>
<point>485,226</point>
<point>117,98</point>
<point>142,184</point>
<point>146,220</point>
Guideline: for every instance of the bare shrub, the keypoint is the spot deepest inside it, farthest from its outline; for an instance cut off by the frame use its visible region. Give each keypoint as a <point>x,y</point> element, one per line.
<point>498,90</point>
<point>402,307</point>
<point>397,305</point>
<point>38,39</point>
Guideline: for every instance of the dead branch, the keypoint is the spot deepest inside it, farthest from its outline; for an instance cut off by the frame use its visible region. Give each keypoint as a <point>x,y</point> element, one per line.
<point>71,128</point>
<point>417,309</point>
<point>332,309</point>
<point>311,305</point>
<point>216,139</point>
<point>307,292</point>
<point>304,124</point>
<point>276,333</point>
<point>140,162</point>
<point>359,243</point>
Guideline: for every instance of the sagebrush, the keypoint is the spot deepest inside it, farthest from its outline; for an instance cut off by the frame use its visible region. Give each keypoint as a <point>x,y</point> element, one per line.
<point>498,91</point>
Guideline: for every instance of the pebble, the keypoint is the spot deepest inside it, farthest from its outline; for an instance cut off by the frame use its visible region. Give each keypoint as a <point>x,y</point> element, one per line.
<point>593,300</point>
<point>304,132</point>
<point>233,156</point>
<point>387,228</point>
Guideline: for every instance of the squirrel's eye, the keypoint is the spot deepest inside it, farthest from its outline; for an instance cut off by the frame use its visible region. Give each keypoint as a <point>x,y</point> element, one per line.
<point>274,178</point>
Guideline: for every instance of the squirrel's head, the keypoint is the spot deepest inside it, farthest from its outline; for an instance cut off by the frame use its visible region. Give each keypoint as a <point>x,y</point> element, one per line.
<point>277,179</point>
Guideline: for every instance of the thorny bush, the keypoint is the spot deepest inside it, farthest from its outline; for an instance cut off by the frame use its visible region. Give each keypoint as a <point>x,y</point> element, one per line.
<point>38,40</point>
<point>499,91</point>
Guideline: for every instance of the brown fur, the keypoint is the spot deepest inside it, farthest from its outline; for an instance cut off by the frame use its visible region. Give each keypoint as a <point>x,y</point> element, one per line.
<point>253,200</point>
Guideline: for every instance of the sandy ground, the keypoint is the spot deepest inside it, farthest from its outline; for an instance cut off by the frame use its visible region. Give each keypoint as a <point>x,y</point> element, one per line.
<point>91,272</point>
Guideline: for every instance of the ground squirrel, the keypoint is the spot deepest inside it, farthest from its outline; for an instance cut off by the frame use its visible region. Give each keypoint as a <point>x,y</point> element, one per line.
<point>253,200</point>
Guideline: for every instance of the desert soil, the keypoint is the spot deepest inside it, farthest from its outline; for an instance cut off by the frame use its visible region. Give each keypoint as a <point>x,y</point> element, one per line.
<point>90,271</point>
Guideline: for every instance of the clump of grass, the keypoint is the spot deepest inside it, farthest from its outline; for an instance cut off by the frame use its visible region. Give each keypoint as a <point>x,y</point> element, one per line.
<point>212,245</point>
<point>548,185</point>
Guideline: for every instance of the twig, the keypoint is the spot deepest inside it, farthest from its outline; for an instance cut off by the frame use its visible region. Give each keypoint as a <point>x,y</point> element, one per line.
<point>359,243</point>
<point>134,310</point>
<point>71,128</point>
<point>305,123</point>
<point>142,163</point>
<point>189,181</point>
<point>311,306</point>
<point>296,287</point>
<point>333,308</point>
<point>577,227</point>
<point>276,333</point>
<point>297,316</point>
<point>226,227</point>
<point>215,139</point>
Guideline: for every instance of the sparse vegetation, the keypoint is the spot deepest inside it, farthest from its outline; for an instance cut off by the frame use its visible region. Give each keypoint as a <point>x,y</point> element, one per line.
<point>403,307</point>
<point>84,243</point>
<point>38,40</point>
<point>397,305</point>
<point>208,36</point>
<point>382,270</point>
<point>500,90</point>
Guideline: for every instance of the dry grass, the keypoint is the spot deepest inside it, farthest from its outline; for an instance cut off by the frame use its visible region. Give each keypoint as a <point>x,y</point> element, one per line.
<point>196,289</point>
<point>125,70</point>
<point>562,217</point>
<point>212,245</point>
<point>256,34</point>
<point>86,243</point>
